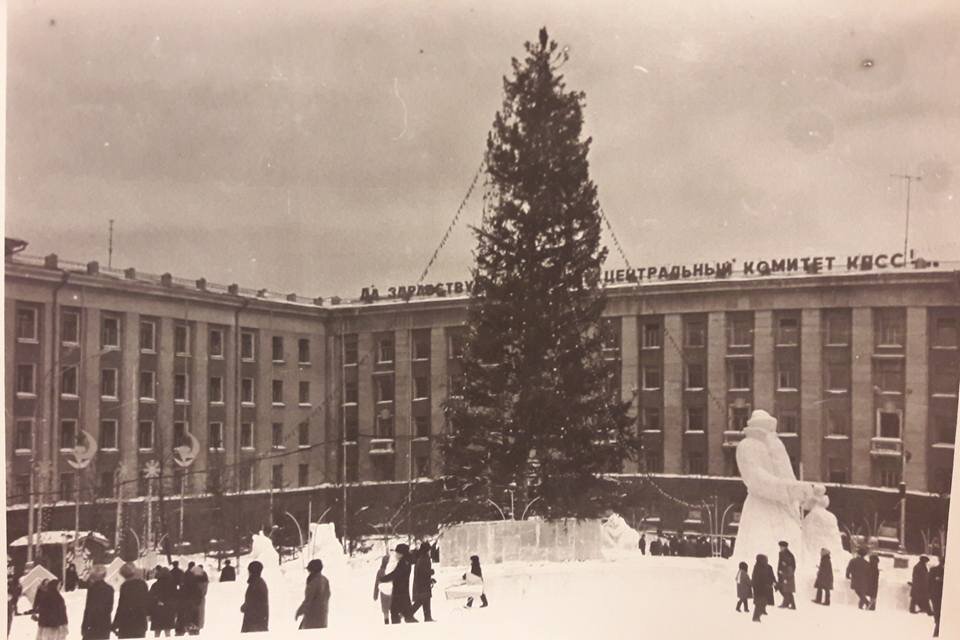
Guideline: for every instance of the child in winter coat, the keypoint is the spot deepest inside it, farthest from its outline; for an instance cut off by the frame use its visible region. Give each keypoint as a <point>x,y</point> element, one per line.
<point>744,587</point>
<point>824,581</point>
<point>475,576</point>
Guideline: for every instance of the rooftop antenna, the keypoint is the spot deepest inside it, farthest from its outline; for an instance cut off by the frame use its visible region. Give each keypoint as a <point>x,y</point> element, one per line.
<point>110,247</point>
<point>906,232</point>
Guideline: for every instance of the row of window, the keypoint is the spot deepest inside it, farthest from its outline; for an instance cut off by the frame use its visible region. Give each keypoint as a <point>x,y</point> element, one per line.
<point>890,331</point>
<point>147,387</point>
<point>385,352</point>
<point>27,330</point>
<point>889,423</point>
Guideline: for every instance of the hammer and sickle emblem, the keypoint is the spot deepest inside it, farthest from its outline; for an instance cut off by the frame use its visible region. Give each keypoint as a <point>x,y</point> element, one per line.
<point>83,453</point>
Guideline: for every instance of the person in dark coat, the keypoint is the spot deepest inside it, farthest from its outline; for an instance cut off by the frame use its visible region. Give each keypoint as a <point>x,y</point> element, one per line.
<point>423,583</point>
<point>786,570</point>
<point>14,591</point>
<point>186,601</point>
<point>477,571</point>
<point>824,582</point>
<point>50,611</point>
<point>99,606</point>
<point>133,605</point>
<point>70,578</point>
<point>176,573</point>
<point>256,601</point>
<point>936,594</point>
<point>400,605</point>
<point>763,581</point>
<point>163,604</point>
<point>228,573</point>
<point>316,598</point>
<point>857,573</point>
<point>920,587</point>
<point>873,580</point>
<point>744,587</point>
<point>643,544</point>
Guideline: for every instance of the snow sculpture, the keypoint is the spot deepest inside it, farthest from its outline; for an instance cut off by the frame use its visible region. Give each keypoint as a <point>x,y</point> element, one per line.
<point>618,535</point>
<point>771,512</point>
<point>325,546</point>
<point>821,531</point>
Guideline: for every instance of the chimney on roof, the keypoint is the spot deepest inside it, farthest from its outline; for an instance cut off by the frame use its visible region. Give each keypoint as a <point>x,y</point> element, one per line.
<point>93,268</point>
<point>292,297</point>
<point>166,280</point>
<point>50,262</point>
<point>262,293</point>
<point>318,301</point>
<point>202,284</point>
<point>233,289</point>
<point>335,300</point>
<point>130,274</point>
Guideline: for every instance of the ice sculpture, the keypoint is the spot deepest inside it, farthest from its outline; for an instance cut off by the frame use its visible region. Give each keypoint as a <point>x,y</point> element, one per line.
<point>771,512</point>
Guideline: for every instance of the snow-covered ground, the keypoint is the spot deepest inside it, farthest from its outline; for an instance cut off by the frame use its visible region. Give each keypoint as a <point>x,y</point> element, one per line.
<point>632,596</point>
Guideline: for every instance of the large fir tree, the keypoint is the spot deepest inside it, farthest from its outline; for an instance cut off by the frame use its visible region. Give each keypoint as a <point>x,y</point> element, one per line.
<point>536,407</point>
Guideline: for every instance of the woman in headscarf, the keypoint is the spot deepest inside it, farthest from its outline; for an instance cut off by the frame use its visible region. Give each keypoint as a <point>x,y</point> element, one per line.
<point>316,599</point>
<point>133,605</point>
<point>99,606</point>
<point>256,601</point>
<point>50,611</point>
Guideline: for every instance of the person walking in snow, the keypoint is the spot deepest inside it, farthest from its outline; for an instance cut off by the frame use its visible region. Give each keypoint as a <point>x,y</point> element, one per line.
<point>70,579</point>
<point>316,598</point>
<point>857,573</point>
<point>763,581</point>
<point>476,572</point>
<point>256,601</point>
<point>50,611</point>
<point>643,544</point>
<point>744,587</point>
<point>824,582</point>
<point>383,590</point>
<point>786,570</point>
<point>14,591</point>
<point>228,573</point>
<point>163,604</point>
<point>400,605</point>
<point>423,583</point>
<point>936,594</point>
<point>133,605</point>
<point>873,580</point>
<point>98,607</point>
<point>920,587</point>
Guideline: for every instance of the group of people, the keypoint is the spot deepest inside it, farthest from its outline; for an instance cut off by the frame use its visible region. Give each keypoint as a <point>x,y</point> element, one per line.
<point>926,586</point>
<point>762,582</point>
<point>681,545</point>
<point>392,585</point>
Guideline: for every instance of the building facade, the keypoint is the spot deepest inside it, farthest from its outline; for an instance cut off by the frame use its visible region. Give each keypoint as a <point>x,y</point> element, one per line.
<point>268,391</point>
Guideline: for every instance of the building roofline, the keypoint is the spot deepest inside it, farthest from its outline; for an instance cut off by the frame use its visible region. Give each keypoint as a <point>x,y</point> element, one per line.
<point>51,269</point>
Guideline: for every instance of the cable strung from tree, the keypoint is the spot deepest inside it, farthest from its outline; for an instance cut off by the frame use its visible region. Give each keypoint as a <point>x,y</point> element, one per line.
<point>453,223</point>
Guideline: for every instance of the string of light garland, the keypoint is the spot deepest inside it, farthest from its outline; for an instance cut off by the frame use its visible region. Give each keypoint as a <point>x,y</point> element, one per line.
<point>453,223</point>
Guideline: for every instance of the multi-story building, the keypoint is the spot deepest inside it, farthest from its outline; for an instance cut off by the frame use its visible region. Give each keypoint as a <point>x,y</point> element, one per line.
<point>862,369</point>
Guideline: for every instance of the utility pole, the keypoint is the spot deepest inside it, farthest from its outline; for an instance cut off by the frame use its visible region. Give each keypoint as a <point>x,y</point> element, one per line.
<point>110,247</point>
<point>909,179</point>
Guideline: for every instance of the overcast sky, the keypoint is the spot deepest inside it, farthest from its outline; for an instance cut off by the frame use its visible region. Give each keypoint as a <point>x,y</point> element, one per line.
<point>319,147</point>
